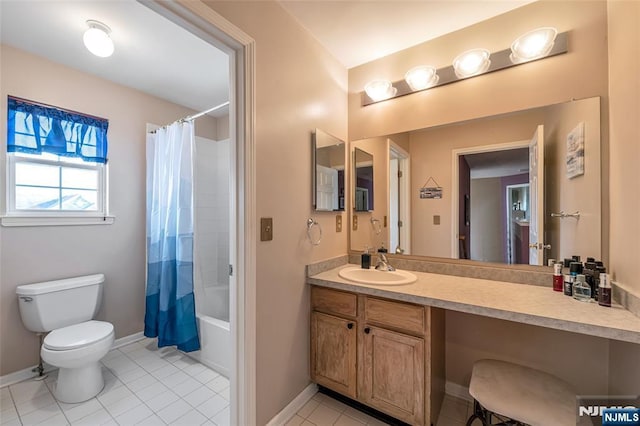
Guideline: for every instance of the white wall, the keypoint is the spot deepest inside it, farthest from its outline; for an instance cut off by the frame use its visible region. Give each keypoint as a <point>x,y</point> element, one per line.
<point>212,224</point>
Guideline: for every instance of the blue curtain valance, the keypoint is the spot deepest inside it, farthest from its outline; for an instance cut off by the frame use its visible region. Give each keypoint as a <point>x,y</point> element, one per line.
<point>34,128</point>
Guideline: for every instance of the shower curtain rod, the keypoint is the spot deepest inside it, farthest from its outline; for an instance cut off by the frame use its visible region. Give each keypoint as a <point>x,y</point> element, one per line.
<point>200,114</point>
<point>194,116</point>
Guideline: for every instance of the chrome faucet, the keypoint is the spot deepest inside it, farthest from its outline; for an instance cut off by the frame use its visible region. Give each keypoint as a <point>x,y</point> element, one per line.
<point>383,263</point>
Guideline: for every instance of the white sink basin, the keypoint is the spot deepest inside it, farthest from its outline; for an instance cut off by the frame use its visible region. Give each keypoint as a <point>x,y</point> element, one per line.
<point>373,276</point>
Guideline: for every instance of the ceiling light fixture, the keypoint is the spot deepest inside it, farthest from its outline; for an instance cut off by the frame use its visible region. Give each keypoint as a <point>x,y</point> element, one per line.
<point>96,39</point>
<point>379,90</point>
<point>420,78</point>
<point>533,45</point>
<point>472,62</point>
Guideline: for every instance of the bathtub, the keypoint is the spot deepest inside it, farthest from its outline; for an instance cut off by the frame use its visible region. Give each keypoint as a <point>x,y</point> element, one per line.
<point>215,344</point>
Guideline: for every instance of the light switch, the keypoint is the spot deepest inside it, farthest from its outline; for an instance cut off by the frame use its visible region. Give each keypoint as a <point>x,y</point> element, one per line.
<point>385,221</point>
<point>266,229</point>
<point>436,219</point>
<point>339,223</point>
<point>354,221</point>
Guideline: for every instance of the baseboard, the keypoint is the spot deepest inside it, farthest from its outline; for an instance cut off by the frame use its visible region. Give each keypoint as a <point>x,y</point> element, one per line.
<point>123,341</point>
<point>294,406</point>
<point>28,373</point>
<point>458,391</point>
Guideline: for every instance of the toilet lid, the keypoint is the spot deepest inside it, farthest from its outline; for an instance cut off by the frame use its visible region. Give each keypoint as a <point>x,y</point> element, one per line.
<point>78,335</point>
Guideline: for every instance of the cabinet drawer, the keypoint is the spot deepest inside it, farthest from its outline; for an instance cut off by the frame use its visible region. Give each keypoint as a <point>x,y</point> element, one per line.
<point>398,315</point>
<point>334,301</point>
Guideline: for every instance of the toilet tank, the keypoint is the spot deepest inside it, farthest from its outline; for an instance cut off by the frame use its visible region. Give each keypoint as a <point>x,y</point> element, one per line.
<point>50,305</point>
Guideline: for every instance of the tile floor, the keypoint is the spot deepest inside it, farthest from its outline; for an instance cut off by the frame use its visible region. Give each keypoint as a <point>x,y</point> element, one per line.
<point>148,386</point>
<point>323,410</point>
<point>143,385</point>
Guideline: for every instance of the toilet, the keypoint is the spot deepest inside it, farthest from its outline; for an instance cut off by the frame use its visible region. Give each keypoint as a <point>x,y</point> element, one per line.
<point>76,343</point>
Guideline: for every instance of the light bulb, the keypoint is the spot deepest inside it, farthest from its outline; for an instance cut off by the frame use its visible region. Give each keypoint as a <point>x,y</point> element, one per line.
<point>471,62</point>
<point>379,90</point>
<point>533,45</point>
<point>420,78</point>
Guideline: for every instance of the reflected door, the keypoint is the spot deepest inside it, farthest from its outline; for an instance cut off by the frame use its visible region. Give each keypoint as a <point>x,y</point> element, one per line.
<point>536,191</point>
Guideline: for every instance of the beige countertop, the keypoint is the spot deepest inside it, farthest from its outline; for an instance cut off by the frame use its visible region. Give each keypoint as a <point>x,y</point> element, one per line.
<point>523,303</point>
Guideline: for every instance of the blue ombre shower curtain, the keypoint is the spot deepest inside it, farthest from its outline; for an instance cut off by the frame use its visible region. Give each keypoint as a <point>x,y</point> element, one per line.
<point>170,305</point>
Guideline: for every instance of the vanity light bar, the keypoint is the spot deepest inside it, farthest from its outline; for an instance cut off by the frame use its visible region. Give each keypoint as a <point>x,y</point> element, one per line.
<point>498,61</point>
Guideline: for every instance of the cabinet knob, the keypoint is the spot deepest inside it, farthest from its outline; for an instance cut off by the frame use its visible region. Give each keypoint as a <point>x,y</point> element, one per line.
<point>350,325</point>
<point>367,330</point>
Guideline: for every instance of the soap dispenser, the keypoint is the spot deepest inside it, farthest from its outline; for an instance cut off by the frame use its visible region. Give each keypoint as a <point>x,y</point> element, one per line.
<point>365,259</point>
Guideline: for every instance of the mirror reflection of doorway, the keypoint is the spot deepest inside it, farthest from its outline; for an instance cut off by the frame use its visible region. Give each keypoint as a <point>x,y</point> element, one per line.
<point>399,200</point>
<point>486,225</point>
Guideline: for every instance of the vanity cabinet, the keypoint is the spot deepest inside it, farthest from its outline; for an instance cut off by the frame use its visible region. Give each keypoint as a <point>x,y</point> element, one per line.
<point>334,340</point>
<point>386,354</point>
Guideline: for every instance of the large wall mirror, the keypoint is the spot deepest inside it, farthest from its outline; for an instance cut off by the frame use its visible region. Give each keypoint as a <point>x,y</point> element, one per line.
<point>492,189</point>
<point>328,154</point>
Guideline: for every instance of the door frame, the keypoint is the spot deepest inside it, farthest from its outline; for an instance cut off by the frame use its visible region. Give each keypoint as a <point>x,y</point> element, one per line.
<point>198,18</point>
<point>404,164</point>
<point>455,188</point>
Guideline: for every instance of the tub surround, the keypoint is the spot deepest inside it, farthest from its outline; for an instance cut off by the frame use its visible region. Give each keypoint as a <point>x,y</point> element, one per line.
<point>529,304</point>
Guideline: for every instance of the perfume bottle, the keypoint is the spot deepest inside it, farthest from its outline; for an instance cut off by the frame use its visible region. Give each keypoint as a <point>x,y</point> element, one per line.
<point>581,290</point>
<point>557,277</point>
<point>604,291</point>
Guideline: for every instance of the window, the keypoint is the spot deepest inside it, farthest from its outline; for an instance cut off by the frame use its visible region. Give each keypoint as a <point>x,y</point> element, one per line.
<point>56,162</point>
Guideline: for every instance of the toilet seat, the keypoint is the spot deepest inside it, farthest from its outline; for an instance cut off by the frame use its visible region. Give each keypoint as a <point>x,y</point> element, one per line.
<point>78,335</point>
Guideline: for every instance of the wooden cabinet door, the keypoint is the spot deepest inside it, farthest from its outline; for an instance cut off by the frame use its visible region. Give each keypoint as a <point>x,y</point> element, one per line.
<point>393,374</point>
<point>333,353</point>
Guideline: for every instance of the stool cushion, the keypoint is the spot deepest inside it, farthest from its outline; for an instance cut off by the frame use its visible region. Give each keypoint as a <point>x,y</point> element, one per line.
<point>522,393</point>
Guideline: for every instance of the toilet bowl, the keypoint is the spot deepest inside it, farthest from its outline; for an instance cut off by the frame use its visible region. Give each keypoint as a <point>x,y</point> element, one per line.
<point>76,343</point>
<point>77,350</point>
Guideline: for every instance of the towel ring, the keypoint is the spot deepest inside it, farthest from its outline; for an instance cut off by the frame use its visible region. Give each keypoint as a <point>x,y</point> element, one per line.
<point>310,224</point>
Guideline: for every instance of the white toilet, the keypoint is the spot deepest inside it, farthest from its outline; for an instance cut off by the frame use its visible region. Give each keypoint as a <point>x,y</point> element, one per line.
<point>76,343</point>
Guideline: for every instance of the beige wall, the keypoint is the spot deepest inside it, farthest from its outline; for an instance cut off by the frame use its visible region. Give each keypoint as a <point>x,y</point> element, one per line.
<point>580,73</point>
<point>580,360</point>
<point>300,87</point>
<point>569,236</point>
<point>32,254</point>
<point>624,175</point>
<point>624,172</point>
<point>487,243</point>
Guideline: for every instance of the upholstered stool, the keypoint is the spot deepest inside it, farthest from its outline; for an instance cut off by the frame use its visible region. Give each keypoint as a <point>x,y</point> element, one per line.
<point>521,394</point>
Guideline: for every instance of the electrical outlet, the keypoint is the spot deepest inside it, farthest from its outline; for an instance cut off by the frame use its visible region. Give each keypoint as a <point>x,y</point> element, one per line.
<point>385,221</point>
<point>266,229</point>
<point>354,221</point>
<point>338,223</point>
<point>436,219</point>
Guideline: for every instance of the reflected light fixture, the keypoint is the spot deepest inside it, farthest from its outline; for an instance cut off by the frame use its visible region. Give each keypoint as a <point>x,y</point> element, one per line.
<point>533,45</point>
<point>472,62</point>
<point>96,39</point>
<point>422,77</point>
<point>379,90</point>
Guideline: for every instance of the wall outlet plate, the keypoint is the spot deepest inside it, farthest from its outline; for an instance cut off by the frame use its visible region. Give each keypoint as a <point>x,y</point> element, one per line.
<point>266,229</point>
<point>354,221</point>
<point>436,219</point>
<point>338,223</point>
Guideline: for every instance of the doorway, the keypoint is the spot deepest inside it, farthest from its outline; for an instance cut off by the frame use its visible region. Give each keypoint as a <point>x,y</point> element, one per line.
<point>481,175</point>
<point>205,23</point>
<point>399,201</point>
